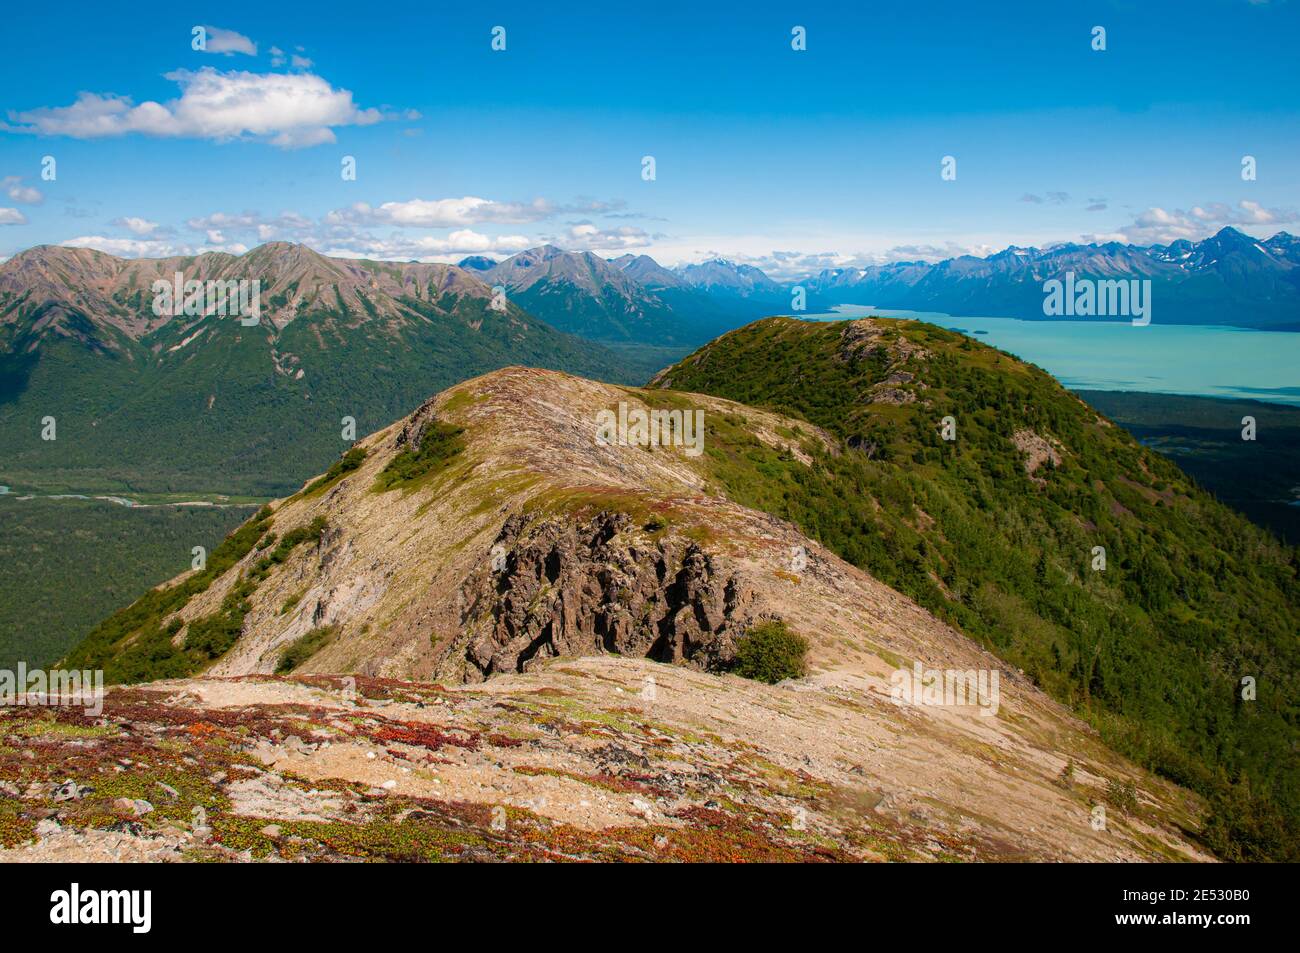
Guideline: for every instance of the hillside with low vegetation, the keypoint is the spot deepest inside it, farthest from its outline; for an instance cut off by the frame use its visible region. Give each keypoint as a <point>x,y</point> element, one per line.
<point>1184,650</point>
<point>483,615</point>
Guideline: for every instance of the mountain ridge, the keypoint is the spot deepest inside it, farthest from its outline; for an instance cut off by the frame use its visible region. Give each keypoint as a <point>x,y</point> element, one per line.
<point>490,541</point>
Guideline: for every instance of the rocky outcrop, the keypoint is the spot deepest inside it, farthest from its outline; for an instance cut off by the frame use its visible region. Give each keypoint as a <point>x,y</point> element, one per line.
<point>559,587</point>
<point>863,340</point>
<point>864,335</point>
<point>1037,450</point>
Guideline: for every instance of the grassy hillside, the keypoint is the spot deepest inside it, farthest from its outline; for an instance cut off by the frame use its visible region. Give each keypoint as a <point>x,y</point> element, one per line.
<point>1152,649</point>
<point>69,563</point>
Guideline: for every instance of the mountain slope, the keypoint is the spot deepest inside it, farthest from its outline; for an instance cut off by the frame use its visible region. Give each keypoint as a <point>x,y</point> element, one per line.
<point>586,295</point>
<point>205,403</point>
<point>491,536</point>
<point>717,275</point>
<point>995,532</point>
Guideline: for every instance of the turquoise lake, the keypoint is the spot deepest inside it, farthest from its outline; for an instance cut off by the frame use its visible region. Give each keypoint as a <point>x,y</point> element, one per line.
<point>1111,355</point>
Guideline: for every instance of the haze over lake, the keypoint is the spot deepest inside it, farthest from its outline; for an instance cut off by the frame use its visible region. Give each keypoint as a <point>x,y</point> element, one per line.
<point>1112,355</point>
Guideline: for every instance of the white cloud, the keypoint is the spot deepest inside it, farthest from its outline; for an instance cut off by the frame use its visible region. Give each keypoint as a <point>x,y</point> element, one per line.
<point>426,248</point>
<point>228,42</point>
<point>584,236</point>
<point>789,265</point>
<point>438,213</point>
<point>136,226</point>
<point>928,252</point>
<point>264,228</point>
<point>11,216</point>
<point>459,212</point>
<point>12,184</point>
<point>1158,226</point>
<point>147,248</point>
<point>289,110</point>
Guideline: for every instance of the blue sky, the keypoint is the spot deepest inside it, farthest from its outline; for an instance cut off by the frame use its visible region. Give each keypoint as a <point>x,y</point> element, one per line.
<point>792,160</point>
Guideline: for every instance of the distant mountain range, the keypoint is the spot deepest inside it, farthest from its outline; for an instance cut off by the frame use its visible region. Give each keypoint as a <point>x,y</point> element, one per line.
<point>632,298</point>
<point>1229,278</point>
<point>151,403</point>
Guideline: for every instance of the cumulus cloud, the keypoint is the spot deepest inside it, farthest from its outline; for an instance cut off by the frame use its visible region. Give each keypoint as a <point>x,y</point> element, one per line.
<point>459,212</point>
<point>148,248</point>
<point>584,236</point>
<point>290,110</point>
<point>253,225</point>
<point>137,226</point>
<point>1158,226</point>
<point>228,42</point>
<point>11,216</point>
<point>348,240</point>
<point>25,194</point>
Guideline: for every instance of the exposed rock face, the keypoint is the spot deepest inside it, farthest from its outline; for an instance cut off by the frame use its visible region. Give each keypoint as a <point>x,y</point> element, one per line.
<point>413,428</point>
<point>559,587</point>
<point>1037,451</point>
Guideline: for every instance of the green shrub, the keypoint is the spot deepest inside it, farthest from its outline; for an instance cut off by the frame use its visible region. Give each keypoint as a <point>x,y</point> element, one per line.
<point>438,445</point>
<point>770,652</point>
<point>301,649</point>
<point>1122,796</point>
<point>211,636</point>
<point>1066,778</point>
<point>307,533</point>
<point>341,468</point>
